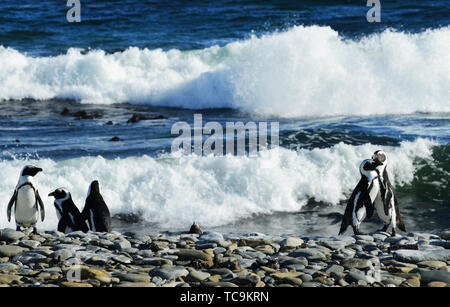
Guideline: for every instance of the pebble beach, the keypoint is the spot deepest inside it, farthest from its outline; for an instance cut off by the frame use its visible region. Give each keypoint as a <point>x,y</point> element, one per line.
<point>212,259</point>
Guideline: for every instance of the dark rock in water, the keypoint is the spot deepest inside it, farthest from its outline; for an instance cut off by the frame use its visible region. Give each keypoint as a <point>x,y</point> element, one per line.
<point>195,229</point>
<point>65,112</point>
<point>17,141</point>
<point>109,123</point>
<point>85,115</point>
<point>115,139</point>
<point>138,117</point>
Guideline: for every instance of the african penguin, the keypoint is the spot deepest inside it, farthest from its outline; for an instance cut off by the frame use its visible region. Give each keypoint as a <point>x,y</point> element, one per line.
<point>26,200</point>
<point>69,216</point>
<point>386,203</point>
<point>96,211</point>
<point>361,202</point>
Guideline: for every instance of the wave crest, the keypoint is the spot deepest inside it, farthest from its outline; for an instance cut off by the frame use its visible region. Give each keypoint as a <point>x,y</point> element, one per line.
<point>304,71</point>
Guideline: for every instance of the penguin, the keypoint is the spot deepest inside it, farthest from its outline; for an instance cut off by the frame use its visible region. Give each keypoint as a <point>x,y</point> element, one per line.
<point>361,202</point>
<point>96,211</point>
<point>386,204</point>
<point>69,216</point>
<point>26,200</point>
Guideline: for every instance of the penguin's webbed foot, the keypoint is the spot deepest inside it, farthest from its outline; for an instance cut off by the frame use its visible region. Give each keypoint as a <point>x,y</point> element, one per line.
<point>35,231</point>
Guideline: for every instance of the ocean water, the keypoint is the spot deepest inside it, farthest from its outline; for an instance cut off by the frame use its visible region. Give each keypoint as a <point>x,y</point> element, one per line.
<point>339,87</point>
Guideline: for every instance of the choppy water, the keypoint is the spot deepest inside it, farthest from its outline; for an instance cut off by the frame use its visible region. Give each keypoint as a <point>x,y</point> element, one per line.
<point>339,86</point>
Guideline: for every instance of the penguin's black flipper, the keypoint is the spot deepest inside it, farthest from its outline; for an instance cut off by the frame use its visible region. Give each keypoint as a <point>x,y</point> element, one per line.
<point>399,220</point>
<point>367,202</point>
<point>10,204</point>
<point>387,201</point>
<point>62,224</point>
<point>347,218</point>
<point>41,205</point>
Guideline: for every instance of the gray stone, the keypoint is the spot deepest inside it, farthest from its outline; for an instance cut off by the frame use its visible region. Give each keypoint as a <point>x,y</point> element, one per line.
<point>206,245</point>
<point>29,243</point>
<point>122,244</point>
<point>291,242</point>
<point>434,275</point>
<point>355,275</point>
<point>364,238</point>
<point>10,235</point>
<point>8,266</point>
<point>308,253</point>
<point>306,277</point>
<point>211,236</point>
<point>170,273</point>
<point>132,277</point>
<point>405,255</point>
<point>196,276</point>
<point>30,258</point>
<point>334,268</point>
<point>62,254</point>
<point>190,254</point>
<point>219,250</point>
<point>11,250</point>
<point>443,243</point>
<point>121,259</point>
<point>356,263</point>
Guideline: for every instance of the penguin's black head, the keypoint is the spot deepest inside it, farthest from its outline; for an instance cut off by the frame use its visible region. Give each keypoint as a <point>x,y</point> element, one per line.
<point>59,193</point>
<point>30,170</point>
<point>94,188</point>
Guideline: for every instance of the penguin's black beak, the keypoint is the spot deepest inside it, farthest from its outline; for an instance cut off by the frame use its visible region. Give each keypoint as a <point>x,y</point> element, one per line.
<point>52,194</point>
<point>35,170</point>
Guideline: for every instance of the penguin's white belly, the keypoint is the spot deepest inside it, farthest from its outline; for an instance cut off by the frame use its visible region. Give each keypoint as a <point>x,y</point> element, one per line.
<point>26,212</point>
<point>379,206</point>
<point>374,191</point>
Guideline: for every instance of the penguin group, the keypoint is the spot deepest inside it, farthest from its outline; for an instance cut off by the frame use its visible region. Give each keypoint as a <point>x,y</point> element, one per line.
<point>27,203</point>
<point>374,191</point>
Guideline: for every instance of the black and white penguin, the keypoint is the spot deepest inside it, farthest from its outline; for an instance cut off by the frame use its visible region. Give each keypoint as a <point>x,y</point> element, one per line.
<point>69,216</point>
<point>361,202</point>
<point>26,200</point>
<point>386,203</point>
<point>96,211</point>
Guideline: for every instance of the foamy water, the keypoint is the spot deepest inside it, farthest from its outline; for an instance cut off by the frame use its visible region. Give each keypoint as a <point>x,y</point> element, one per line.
<point>174,191</point>
<point>303,71</point>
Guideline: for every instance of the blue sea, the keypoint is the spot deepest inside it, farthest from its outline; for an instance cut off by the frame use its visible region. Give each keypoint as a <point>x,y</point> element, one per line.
<point>339,87</point>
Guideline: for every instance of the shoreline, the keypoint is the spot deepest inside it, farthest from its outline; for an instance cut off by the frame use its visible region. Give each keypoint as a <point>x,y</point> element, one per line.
<point>211,259</point>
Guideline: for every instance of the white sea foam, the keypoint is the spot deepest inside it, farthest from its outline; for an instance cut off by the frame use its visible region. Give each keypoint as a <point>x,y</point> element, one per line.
<point>174,191</point>
<point>304,71</point>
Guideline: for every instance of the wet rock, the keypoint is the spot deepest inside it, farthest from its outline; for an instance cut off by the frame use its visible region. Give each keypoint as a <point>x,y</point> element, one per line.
<point>291,242</point>
<point>195,229</point>
<point>10,235</point>
<point>418,255</point>
<point>188,254</point>
<point>11,250</point>
<point>434,275</point>
<point>169,273</point>
<point>133,277</point>
<point>308,253</point>
<point>115,139</point>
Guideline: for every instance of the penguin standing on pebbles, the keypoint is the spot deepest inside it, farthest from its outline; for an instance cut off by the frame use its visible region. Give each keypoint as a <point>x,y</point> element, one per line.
<point>386,203</point>
<point>361,202</point>
<point>26,200</point>
<point>96,211</point>
<point>68,214</point>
